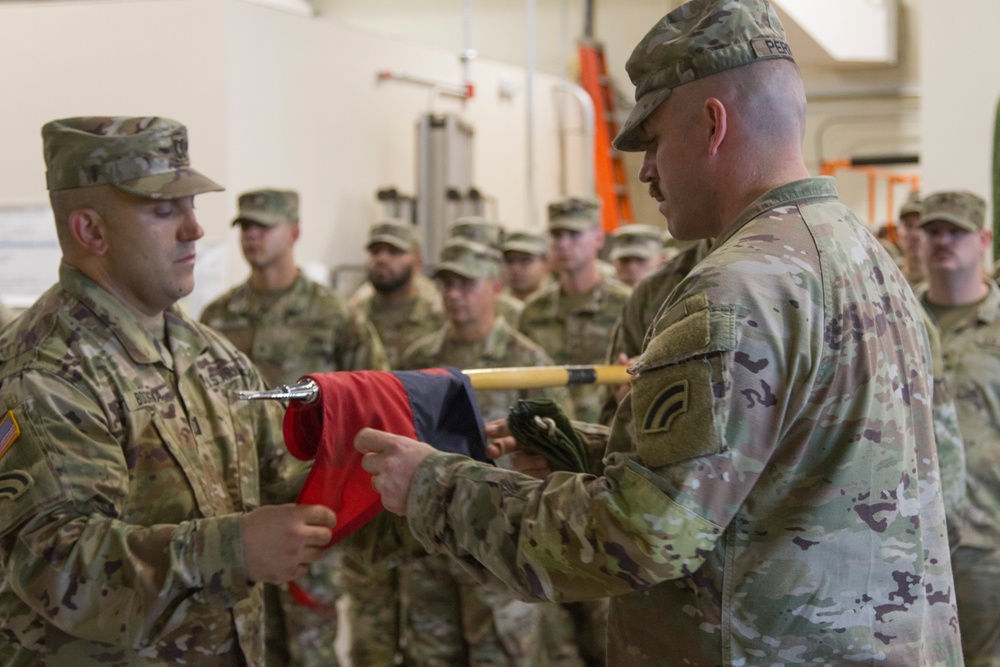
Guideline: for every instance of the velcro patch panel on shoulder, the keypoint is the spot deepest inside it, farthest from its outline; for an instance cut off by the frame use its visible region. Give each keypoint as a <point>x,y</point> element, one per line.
<point>674,406</point>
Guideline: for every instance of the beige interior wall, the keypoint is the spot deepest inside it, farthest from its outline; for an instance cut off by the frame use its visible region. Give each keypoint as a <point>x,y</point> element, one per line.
<point>960,67</point>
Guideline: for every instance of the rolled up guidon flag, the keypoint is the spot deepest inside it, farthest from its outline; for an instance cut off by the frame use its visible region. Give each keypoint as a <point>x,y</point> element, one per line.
<point>435,406</point>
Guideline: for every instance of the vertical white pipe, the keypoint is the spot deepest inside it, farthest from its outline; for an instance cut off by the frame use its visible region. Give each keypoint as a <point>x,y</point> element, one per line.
<point>529,102</point>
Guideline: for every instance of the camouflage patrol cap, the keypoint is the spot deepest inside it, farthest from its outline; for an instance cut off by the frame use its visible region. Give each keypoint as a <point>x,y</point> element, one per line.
<point>575,213</point>
<point>469,259</point>
<point>268,207</point>
<point>911,205</point>
<point>643,241</point>
<point>529,243</point>
<point>396,232</point>
<point>145,156</point>
<point>479,229</point>
<point>696,40</point>
<point>960,207</point>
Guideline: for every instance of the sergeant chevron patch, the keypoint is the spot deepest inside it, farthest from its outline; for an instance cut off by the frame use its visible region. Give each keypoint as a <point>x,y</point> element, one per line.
<point>13,484</point>
<point>670,403</point>
<point>9,432</point>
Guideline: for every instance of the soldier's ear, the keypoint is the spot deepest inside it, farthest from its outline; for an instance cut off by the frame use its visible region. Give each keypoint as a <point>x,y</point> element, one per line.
<point>717,123</point>
<point>88,230</point>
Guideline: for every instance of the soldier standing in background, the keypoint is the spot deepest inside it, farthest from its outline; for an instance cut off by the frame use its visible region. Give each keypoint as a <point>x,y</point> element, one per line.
<point>490,233</point>
<point>132,477</point>
<point>398,309</point>
<point>450,619</point>
<point>912,241</point>
<point>965,304</point>
<point>401,312</point>
<point>573,319</point>
<point>290,326</point>
<point>635,251</point>
<point>771,491</point>
<point>526,267</point>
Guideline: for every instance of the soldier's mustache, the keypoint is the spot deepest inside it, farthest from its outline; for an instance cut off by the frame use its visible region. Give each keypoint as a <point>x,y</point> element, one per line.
<point>654,191</point>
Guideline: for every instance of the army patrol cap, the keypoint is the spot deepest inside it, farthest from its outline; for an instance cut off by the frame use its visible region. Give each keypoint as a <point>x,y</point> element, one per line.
<point>268,207</point>
<point>145,156</point>
<point>479,229</point>
<point>911,205</point>
<point>526,242</point>
<point>696,40</point>
<point>961,208</point>
<point>469,259</point>
<point>575,213</point>
<point>644,241</point>
<point>396,232</point>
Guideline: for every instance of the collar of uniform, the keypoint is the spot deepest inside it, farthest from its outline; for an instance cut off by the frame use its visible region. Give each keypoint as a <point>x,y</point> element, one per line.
<point>987,311</point>
<point>803,191</point>
<point>122,323</point>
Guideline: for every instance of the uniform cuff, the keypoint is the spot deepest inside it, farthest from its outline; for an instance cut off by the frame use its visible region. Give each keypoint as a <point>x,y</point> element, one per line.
<point>426,508</point>
<point>218,567</point>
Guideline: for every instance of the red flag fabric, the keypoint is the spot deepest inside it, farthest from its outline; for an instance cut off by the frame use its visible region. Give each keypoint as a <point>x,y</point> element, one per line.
<point>436,406</point>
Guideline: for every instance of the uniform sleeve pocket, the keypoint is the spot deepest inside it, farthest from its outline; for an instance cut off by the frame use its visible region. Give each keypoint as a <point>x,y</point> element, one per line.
<point>27,483</point>
<point>681,391</point>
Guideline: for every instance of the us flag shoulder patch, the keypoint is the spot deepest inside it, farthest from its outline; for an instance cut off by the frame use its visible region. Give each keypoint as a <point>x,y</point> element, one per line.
<point>9,432</point>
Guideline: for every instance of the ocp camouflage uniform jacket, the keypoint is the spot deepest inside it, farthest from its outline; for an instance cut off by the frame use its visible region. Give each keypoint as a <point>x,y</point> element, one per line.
<point>120,524</point>
<point>577,336</point>
<point>399,325</point>
<point>771,494</point>
<point>502,347</point>
<point>308,330</point>
<point>971,353</point>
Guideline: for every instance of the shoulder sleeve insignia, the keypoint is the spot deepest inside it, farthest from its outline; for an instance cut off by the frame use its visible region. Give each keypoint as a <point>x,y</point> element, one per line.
<point>9,432</point>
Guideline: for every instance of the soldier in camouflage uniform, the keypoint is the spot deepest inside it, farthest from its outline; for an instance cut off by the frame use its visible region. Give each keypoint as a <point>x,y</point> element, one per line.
<point>573,319</point>
<point>398,309</point>
<point>965,304</point>
<point>771,492</point>
<point>912,241</point>
<point>290,326</point>
<point>450,619</point>
<point>401,312</point>
<point>526,267</point>
<point>491,233</point>
<point>131,477</point>
<point>635,251</point>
